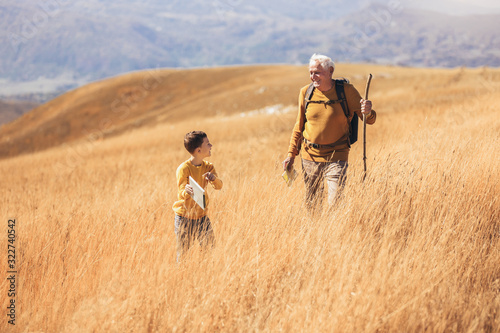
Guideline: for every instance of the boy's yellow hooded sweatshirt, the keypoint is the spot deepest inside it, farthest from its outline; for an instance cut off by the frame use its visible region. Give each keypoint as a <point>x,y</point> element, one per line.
<point>185,206</point>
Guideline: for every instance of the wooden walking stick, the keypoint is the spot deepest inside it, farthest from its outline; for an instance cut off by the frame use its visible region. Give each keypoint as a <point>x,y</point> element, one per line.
<point>364,124</point>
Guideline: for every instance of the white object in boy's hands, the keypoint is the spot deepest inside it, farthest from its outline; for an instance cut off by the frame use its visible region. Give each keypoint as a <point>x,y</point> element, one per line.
<point>198,193</point>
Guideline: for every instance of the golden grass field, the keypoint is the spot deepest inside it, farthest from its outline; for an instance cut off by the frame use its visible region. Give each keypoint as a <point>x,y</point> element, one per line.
<point>415,247</point>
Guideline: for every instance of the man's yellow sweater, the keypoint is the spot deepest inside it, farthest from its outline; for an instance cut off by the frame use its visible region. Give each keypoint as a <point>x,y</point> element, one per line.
<point>185,206</point>
<point>326,124</point>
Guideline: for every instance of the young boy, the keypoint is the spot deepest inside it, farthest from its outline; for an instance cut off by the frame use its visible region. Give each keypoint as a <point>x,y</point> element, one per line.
<point>191,221</point>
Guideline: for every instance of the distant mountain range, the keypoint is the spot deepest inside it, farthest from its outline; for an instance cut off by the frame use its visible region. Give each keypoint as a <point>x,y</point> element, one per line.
<point>65,44</point>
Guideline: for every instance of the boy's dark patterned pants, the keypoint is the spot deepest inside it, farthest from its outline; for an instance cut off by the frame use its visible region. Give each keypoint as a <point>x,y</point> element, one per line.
<point>187,230</point>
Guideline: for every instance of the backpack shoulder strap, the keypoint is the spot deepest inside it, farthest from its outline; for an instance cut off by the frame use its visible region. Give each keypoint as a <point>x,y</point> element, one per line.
<point>308,95</point>
<point>353,123</point>
<point>307,99</point>
<point>339,88</point>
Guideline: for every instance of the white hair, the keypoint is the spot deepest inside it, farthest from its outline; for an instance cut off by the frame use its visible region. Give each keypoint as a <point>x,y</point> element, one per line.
<point>323,60</point>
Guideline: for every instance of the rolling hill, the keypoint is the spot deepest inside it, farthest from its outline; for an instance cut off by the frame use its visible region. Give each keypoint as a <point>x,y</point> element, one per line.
<point>148,98</point>
<point>11,110</point>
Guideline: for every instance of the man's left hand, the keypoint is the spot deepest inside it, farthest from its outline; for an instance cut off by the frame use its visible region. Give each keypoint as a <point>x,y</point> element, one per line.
<point>366,106</point>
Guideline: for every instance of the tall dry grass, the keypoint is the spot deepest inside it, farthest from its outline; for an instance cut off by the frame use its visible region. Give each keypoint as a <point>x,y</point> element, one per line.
<point>415,247</point>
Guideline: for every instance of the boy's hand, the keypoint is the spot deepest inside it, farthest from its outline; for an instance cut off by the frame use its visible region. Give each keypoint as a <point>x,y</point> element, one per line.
<point>189,189</point>
<point>209,176</point>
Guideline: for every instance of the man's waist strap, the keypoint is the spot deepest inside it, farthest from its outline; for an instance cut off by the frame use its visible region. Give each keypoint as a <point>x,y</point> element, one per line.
<point>342,141</point>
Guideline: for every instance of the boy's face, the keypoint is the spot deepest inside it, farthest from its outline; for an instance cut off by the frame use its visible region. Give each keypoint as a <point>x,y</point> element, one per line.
<point>205,149</point>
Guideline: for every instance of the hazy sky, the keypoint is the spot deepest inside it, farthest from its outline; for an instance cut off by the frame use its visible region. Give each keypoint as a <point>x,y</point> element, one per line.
<point>458,7</point>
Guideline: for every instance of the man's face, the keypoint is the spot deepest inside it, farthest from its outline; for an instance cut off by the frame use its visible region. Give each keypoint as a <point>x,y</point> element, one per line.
<point>321,77</point>
<point>206,148</point>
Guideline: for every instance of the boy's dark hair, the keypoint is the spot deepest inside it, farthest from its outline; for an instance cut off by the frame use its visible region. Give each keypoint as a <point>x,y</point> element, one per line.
<point>194,140</point>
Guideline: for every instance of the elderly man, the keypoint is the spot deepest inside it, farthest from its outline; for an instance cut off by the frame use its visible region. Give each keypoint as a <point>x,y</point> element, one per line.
<point>323,129</point>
